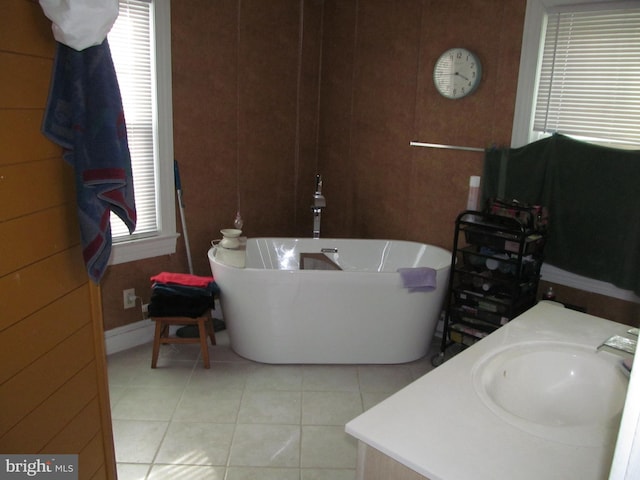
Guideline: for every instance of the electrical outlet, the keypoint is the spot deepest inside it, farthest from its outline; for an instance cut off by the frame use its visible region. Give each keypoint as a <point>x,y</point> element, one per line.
<point>145,311</point>
<point>129,297</point>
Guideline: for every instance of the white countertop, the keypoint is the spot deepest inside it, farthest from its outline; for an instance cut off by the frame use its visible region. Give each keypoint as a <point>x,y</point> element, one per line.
<point>439,427</point>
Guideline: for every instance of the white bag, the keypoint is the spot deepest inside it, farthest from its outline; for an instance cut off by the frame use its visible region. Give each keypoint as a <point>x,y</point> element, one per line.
<point>80,24</point>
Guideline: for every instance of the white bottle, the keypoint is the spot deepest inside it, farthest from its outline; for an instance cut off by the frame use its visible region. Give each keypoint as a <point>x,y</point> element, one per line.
<point>474,192</point>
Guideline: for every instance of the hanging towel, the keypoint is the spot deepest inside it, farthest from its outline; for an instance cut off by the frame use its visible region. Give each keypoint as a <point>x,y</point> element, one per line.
<point>592,195</point>
<point>84,115</point>
<point>419,279</point>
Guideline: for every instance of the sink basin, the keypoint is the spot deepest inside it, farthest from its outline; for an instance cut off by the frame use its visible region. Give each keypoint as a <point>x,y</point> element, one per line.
<point>559,391</point>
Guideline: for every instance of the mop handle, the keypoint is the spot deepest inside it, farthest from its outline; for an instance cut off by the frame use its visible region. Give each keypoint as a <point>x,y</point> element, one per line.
<point>176,175</point>
<point>177,182</point>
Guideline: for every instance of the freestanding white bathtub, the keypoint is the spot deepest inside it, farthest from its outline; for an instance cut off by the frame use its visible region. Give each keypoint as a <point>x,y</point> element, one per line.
<point>276,312</point>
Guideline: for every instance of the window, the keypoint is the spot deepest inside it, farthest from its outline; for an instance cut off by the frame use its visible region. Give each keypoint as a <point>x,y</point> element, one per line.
<point>140,46</point>
<point>572,104</point>
<point>578,72</point>
<point>588,83</point>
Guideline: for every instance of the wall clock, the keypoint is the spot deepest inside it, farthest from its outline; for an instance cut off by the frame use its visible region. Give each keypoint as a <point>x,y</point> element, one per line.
<point>457,73</point>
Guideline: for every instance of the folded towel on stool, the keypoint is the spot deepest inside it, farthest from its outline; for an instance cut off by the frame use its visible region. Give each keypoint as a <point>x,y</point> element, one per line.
<point>185,279</point>
<point>418,279</point>
<point>179,306</point>
<point>185,290</point>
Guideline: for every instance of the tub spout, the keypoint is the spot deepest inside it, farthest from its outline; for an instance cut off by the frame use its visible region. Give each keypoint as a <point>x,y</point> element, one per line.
<point>318,199</point>
<point>317,214</point>
<point>319,202</point>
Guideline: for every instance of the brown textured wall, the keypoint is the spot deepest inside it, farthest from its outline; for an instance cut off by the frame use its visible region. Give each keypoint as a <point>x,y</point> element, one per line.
<point>378,95</point>
<point>245,100</point>
<point>266,94</point>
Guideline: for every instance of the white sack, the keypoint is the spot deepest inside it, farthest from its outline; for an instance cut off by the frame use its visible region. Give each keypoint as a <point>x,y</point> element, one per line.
<point>80,24</point>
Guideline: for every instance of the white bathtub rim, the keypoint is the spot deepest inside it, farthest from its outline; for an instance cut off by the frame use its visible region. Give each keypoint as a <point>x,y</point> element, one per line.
<point>444,264</point>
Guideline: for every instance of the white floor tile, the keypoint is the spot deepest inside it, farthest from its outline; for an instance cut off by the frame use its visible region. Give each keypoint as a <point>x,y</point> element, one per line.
<point>240,420</point>
<point>271,406</point>
<point>257,473</point>
<point>330,408</point>
<point>173,374</point>
<point>275,377</point>
<point>383,378</point>
<point>185,472</point>
<point>327,447</point>
<point>343,378</point>
<point>220,376</point>
<point>212,405</point>
<point>137,441</point>
<point>327,474</point>
<point>147,403</point>
<point>196,444</point>
<point>266,446</point>
<point>133,471</point>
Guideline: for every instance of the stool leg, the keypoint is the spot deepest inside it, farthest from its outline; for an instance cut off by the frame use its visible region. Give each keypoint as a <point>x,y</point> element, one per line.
<point>212,333</point>
<point>203,341</point>
<point>156,343</point>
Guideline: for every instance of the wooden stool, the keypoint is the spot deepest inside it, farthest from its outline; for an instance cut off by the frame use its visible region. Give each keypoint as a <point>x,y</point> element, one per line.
<point>205,328</point>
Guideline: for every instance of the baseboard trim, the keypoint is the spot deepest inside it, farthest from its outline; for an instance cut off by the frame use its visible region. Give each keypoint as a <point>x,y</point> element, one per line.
<point>139,333</point>
<point>128,336</point>
<point>562,277</point>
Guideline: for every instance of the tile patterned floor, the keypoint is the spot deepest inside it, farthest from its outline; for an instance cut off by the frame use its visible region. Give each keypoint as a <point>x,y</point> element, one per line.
<point>240,420</point>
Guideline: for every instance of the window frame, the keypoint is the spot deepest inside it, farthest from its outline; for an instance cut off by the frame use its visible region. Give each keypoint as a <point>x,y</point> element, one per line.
<point>163,242</point>
<point>522,133</point>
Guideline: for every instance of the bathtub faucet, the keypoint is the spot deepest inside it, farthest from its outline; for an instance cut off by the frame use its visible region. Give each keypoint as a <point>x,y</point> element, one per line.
<point>319,203</point>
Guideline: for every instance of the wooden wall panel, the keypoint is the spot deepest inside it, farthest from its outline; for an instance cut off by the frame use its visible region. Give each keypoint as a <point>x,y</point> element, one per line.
<point>80,431</point>
<point>37,381</point>
<point>30,339</point>
<point>53,387</point>
<point>16,129</point>
<point>25,29</point>
<point>50,417</point>
<point>89,456</point>
<point>30,187</point>
<point>24,80</point>
<point>35,286</point>
<point>30,246</point>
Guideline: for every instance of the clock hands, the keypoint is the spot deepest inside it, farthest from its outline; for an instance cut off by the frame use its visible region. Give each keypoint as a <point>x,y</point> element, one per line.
<point>457,73</point>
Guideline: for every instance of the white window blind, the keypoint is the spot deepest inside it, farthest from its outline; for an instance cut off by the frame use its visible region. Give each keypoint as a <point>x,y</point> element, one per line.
<point>589,83</point>
<point>131,43</point>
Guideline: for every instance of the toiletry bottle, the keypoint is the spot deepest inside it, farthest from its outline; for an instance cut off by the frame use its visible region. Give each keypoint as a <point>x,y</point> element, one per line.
<point>549,294</point>
<point>474,191</point>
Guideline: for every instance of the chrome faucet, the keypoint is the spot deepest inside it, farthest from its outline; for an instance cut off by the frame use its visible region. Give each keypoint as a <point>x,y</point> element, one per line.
<point>319,203</point>
<point>618,342</point>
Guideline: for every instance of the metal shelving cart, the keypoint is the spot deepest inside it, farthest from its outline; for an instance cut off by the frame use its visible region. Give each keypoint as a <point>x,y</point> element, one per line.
<point>495,270</point>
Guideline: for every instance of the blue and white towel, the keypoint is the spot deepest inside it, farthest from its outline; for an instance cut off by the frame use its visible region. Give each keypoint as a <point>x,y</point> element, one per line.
<point>84,115</point>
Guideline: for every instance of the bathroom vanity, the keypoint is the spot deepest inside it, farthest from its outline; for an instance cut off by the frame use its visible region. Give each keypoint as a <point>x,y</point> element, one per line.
<point>536,399</point>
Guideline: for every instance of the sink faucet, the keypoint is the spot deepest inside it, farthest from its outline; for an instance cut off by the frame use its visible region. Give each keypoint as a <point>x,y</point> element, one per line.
<point>618,342</point>
<point>319,203</point>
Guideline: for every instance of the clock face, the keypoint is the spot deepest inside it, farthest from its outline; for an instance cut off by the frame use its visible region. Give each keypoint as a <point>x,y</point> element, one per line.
<point>457,73</point>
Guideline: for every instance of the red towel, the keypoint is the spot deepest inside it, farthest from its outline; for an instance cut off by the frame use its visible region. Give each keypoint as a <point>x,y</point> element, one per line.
<point>182,279</point>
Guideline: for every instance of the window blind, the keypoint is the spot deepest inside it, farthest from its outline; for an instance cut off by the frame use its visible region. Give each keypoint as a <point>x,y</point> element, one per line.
<point>131,43</point>
<point>589,83</point>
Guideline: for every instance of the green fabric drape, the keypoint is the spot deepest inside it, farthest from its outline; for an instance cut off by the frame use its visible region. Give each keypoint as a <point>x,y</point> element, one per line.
<point>593,196</point>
